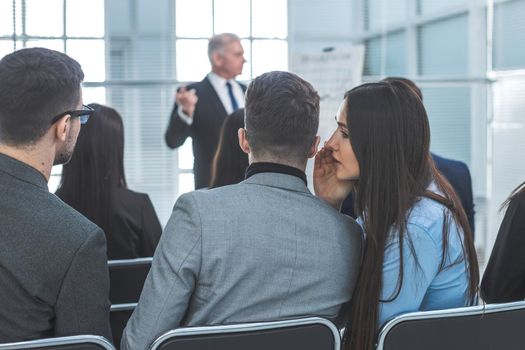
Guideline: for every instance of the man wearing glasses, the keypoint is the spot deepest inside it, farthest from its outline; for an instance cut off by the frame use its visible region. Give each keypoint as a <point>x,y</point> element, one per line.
<point>53,268</point>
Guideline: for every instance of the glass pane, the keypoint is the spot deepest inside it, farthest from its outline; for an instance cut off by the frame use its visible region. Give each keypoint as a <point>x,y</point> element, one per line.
<point>390,62</point>
<point>94,95</point>
<point>6,17</point>
<point>443,47</point>
<point>269,55</point>
<point>232,16</point>
<point>429,6</point>
<point>186,183</point>
<point>186,11</point>
<point>186,155</point>
<point>18,19</point>
<point>395,54</point>
<point>91,56</point>
<point>247,69</point>
<point>192,60</point>
<point>45,18</point>
<point>54,181</point>
<point>81,11</point>
<point>6,47</point>
<point>509,26</point>
<point>262,10</point>
<point>372,64</point>
<point>382,13</point>
<point>53,44</point>
<point>448,110</point>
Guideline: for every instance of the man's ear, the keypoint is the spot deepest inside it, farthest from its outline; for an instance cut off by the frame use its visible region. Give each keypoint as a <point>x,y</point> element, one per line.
<point>243,141</point>
<point>216,59</point>
<point>62,127</point>
<point>313,149</point>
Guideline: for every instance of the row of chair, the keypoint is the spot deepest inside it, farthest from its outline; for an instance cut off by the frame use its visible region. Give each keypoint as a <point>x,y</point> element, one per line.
<point>126,278</point>
<point>480,325</point>
<point>484,327</point>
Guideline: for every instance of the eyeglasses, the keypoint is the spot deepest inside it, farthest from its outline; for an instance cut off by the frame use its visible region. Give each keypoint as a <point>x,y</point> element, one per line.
<point>83,114</point>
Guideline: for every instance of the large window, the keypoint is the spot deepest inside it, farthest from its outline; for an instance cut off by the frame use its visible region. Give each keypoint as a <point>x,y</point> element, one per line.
<point>135,53</point>
<point>59,25</point>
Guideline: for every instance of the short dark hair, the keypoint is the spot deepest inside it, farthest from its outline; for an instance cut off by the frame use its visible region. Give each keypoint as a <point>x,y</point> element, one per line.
<point>36,84</point>
<point>282,115</point>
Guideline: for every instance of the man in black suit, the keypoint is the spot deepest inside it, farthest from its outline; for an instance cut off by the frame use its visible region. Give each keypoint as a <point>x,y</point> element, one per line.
<point>200,108</point>
<point>455,172</point>
<point>53,268</point>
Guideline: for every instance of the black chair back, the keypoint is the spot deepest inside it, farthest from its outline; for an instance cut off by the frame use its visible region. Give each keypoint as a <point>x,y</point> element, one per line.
<point>77,342</point>
<point>126,278</point>
<point>493,326</point>
<point>302,334</point>
<point>118,318</point>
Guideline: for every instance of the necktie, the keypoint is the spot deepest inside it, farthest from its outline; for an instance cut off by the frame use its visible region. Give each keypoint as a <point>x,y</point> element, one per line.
<point>235,106</point>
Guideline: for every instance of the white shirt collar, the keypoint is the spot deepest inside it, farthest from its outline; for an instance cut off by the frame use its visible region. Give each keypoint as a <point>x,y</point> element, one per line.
<point>217,80</point>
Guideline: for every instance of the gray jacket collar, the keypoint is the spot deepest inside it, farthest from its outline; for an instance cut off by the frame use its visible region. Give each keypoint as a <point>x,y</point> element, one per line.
<point>284,181</point>
<point>22,171</point>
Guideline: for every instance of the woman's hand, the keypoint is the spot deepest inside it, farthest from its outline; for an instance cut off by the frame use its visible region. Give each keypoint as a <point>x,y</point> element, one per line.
<point>326,184</point>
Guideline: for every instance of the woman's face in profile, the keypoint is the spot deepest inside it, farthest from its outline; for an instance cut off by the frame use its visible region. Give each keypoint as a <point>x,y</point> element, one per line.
<point>347,167</point>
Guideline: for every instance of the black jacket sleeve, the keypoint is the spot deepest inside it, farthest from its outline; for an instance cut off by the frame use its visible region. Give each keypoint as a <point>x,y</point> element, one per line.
<point>83,303</point>
<point>178,130</point>
<point>504,278</point>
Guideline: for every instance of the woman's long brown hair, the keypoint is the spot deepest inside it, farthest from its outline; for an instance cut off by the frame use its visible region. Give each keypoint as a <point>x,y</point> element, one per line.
<point>390,135</point>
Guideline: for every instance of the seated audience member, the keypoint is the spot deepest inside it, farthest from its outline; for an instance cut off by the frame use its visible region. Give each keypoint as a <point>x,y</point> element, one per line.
<point>54,275</point>
<point>230,162</point>
<point>420,254</point>
<point>264,249</point>
<point>93,183</point>
<point>454,171</point>
<point>504,278</point>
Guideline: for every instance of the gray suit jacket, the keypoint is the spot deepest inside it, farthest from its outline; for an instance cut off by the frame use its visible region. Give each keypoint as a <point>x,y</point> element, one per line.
<point>264,249</point>
<point>53,268</point>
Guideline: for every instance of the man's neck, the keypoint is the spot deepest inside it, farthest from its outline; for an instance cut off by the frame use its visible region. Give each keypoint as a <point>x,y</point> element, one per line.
<point>301,167</point>
<point>221,74</point>
<point>31,156</point>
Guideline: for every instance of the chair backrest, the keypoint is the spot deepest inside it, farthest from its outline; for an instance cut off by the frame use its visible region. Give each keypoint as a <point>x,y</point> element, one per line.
<point>76,342</point>
<point>118,317</point>
<point>483,327</point>
<point>126,278</point>
<point>300,334</point>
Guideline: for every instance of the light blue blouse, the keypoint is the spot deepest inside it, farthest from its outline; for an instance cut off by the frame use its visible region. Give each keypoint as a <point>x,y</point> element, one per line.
<point>424,286</point>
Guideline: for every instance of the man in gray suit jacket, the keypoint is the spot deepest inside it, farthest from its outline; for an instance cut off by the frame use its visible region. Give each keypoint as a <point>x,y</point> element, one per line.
<point>264,249</point>
<point>53,269</point>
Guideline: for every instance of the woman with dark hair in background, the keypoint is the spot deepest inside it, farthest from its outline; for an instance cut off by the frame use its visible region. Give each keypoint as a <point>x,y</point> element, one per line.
<point>93,183</point>
<point>504,278</point>
<point>419,251</point>
<point>230,162</point>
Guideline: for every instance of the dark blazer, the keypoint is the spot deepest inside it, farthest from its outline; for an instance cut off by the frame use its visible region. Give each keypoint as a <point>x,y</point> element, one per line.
<point>53,267</point>
<point>456,173</point>
<point>207,120</point>
<point>135,229</point>
<point>504,278</point>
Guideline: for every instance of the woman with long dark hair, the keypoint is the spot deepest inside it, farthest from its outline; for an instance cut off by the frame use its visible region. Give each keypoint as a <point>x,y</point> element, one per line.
<point>230,162</point>
<point>419,251</point>
<point>93,183</point>
<point>504,278</point>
